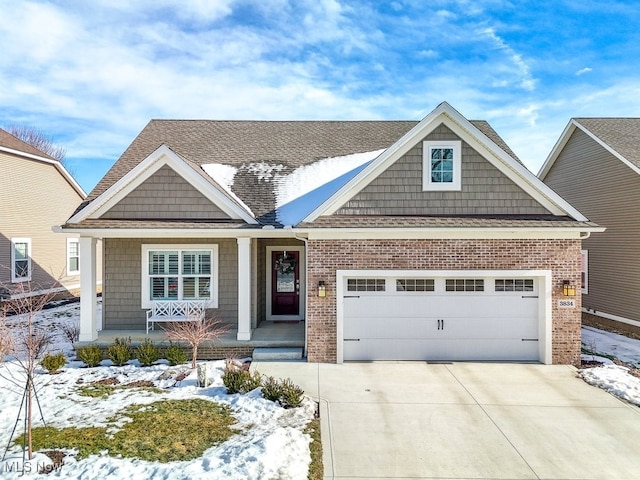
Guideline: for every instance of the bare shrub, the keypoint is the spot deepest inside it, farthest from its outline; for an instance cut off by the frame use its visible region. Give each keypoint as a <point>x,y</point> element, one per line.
<point>195,333</point>
<point>27,342</point>
<point>71,331</point>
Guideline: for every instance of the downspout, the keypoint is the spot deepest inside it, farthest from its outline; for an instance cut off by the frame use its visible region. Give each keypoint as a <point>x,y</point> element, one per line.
<point>306,279</point>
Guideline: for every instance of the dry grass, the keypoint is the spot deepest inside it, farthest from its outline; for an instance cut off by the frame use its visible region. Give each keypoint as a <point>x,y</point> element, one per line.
<point>163,431</point>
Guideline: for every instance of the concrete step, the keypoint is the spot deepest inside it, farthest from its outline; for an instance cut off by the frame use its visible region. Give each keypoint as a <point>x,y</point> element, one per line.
<point>264,353</point>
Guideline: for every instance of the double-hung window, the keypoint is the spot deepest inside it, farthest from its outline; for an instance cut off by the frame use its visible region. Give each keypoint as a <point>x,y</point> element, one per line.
<point>73,256</point>
<point>179,273</point>
<point>20,259</point>
<point>441,165</point>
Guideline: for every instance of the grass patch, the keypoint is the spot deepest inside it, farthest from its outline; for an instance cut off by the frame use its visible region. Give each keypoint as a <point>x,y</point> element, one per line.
<point>163,431</point>
<point>316,469</point>
<point>96,390</point>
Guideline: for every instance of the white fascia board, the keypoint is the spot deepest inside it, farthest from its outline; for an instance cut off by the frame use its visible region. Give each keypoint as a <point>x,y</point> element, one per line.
<point>180,233</point>
<point>59,166</point>
<point>163,155</point>
<point>449,233</point>
<point>564,138</point>
<point>557,148</point>
<point>450,117</point>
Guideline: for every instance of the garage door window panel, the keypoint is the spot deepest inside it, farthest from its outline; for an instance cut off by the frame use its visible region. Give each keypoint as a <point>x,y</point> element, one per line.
<point>514,285</point>
<point>464,285</point>
<point>415,285</point>
<point>366,285</point>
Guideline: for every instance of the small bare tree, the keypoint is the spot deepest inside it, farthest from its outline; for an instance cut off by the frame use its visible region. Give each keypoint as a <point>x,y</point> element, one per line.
<point>38,139</point>
<point>27,343</point>
<point>196,332</point>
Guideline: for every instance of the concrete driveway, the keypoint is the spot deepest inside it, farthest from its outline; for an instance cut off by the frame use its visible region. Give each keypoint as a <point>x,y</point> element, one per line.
<point>416,420</point>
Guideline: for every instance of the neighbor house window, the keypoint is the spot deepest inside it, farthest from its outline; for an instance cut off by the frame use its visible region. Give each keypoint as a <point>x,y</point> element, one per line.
<point>441,165</point>
<point>180,273</point>
<point>73,256</point>
<point>20,259</point>
<point>584,274</point>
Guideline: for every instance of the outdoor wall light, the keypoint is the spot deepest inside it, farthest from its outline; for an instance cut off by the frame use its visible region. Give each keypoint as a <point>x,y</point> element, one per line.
<point>568,289</point>
<point>322,289</point>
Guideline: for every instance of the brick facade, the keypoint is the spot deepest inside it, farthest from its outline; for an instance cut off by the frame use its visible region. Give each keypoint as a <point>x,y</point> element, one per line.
<point>562,257</point>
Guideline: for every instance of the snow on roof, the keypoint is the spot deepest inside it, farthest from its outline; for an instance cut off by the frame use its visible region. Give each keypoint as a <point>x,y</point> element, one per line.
<point>301,191</point>
<point>224,175</point>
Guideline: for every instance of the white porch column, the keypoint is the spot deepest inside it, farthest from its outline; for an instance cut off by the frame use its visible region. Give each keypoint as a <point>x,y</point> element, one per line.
<point>88,301</point>
<point>244,289</point>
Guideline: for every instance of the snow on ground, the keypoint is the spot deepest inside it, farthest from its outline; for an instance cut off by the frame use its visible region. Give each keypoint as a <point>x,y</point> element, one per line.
<point>614,379</point>
<point>623,348</point>
<point>273,444</point>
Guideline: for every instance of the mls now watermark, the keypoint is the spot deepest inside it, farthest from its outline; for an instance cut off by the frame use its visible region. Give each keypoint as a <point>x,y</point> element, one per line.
<point>20,468</point>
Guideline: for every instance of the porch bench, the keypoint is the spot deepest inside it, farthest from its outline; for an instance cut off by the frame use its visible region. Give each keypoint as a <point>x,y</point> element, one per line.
<point>175,311</point>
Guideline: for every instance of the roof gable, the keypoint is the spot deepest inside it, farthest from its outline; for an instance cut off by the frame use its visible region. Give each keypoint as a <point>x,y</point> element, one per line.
<point>13,145</point>
<point>161,157</point>
<point>619,136</point>
<point>446,115</point>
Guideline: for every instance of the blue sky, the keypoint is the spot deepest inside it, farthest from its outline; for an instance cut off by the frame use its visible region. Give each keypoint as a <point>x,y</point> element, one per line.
<point>92,74</point>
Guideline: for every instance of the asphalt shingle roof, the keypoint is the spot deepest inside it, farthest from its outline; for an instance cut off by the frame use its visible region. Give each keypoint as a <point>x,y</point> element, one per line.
<point>9,141</point>
<point>621,134</point>
<point>289,144</point>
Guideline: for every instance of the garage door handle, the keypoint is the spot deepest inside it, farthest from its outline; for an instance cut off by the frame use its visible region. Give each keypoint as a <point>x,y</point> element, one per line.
<point>351,296</point>
<point>440,324</point>
<point>529,339</point>
<point>351,339</point>
<point>529,296</point>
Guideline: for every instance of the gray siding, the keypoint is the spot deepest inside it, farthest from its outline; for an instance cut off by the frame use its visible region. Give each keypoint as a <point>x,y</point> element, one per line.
<point>485,190</point>
<point>607,192</point>
<point>34,196</point>
<point>123,280</point>
<point>165,195</point>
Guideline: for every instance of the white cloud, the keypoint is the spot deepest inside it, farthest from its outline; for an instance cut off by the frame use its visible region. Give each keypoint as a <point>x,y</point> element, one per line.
<point>583,71</point>
<point>526,80</point>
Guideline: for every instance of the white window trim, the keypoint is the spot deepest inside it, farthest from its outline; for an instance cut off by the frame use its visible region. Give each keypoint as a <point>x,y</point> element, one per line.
<point>585,290</point>
<point>146,248</point>
<point>70,271</point>
<point>15,279</point>
<point>427,184</point>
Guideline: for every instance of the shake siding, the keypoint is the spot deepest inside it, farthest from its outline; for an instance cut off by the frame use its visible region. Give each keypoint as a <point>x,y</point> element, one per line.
<point>123,280</point>
<point>34,196</point>
<point>485,190</point>
<point>607,192</point>
<point>165,195</point>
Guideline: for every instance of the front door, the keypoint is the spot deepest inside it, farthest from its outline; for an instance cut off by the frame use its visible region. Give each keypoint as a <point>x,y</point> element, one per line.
<point>285,282</point>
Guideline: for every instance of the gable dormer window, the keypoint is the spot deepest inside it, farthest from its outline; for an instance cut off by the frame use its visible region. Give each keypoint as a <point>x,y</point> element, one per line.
<point>441,165</point>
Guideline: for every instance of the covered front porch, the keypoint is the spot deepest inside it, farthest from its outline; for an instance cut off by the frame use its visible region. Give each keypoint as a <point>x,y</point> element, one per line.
<point>256,285</point>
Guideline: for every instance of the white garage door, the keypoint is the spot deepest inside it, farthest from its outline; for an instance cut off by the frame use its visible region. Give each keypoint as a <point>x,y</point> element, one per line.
<point>440,318</point>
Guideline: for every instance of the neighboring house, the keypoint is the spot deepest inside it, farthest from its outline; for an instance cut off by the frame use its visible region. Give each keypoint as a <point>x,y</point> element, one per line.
<point>391,239</point>
<point>595,165</point>
<point>36,192</point>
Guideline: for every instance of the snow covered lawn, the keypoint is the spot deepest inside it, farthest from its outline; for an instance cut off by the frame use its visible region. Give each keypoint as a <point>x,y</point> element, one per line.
<point>270,441</point>
<point>616,379</point>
